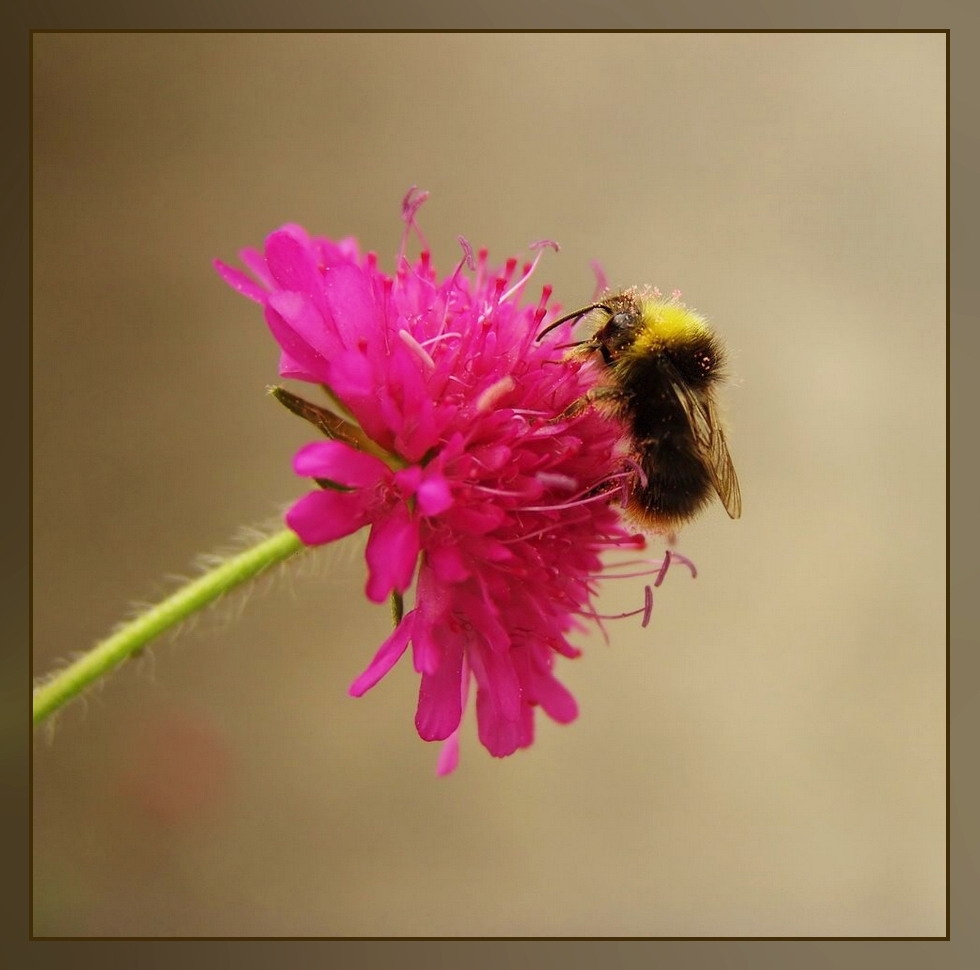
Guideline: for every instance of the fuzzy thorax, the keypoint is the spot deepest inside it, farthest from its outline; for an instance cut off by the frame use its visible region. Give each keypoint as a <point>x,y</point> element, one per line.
<point>667,324</point>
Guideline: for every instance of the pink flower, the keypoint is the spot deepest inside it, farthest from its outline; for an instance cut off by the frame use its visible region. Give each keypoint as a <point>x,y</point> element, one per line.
<point>482,486</point>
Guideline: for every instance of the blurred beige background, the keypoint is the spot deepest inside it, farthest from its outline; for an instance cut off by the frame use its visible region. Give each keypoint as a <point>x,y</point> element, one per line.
<point>766,759</point>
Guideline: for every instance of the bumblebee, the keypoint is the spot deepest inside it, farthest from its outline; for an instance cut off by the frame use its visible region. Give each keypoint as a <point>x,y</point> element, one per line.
<point>661,365</point>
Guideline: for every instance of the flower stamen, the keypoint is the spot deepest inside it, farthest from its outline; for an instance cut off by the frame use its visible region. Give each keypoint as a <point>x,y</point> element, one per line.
<point>529,270</point>
<point>561,506</point>
<point>637,468</point>
<point>646,610</point>
<point>411,203</point>
<point>416,348</point>
<point>442,336</point>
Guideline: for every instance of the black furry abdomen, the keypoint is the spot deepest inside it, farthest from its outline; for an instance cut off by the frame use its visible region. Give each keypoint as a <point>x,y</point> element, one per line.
<point>678,483</point>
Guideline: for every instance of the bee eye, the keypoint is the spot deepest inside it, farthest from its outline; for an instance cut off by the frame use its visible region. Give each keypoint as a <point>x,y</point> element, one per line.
<point>617,334</point>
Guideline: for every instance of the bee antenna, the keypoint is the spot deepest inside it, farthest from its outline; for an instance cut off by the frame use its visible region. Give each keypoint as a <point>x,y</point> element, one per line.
<point>574,315</point>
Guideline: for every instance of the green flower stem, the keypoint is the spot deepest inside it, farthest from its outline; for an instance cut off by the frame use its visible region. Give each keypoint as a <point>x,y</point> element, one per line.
<point>66,684</point>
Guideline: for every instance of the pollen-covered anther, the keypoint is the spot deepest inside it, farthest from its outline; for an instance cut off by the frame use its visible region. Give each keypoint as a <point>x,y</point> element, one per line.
<point>468,259</point>
<point>489,398</point>
<point>563,483</point>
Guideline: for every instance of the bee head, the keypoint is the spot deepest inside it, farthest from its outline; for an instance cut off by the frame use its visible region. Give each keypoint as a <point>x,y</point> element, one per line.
<point>620,330</point>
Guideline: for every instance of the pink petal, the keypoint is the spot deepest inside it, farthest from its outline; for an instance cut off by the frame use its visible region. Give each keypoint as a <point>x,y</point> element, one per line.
<point>491,457</point>
<point>533,663</point>
<point>426,653</point>
<point>434,495</point>
<point>500,704</point>
<point>237,280</point>
<point>408,479</point>
<point>291,261</point>
<point>499,735</point>
<point>476,519</point>
<point>448,755</point>
<point>436,633</point>
<point>504,685</point>
<point>352,375</point>
<point>331,253</point>
<point>255,261</point>
<point>340,463</point>
<point>436,636</point>
<point>327,515</point>
<point>555,699</point>
<point>307,358</point>
<point>447,564</point>
<point>293,369</point>
<point>350,300</point>
<point>386,657</point>
<point>301,315</point>
<point>487,620</point>
<point>440,704</point>
<point>392,550</point>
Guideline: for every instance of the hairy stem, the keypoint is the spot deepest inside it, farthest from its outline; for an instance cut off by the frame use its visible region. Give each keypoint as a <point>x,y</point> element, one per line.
<point>62,686</point>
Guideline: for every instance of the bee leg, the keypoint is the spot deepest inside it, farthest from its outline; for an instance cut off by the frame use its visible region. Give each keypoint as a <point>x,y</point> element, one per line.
<point>595,396</point>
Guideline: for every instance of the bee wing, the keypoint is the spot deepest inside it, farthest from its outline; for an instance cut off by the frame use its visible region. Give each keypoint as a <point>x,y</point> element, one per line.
<point>702,412</point>
<point>719,463</point>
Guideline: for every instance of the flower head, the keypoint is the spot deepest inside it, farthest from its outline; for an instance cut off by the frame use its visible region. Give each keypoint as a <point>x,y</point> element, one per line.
<point>480,483</point>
